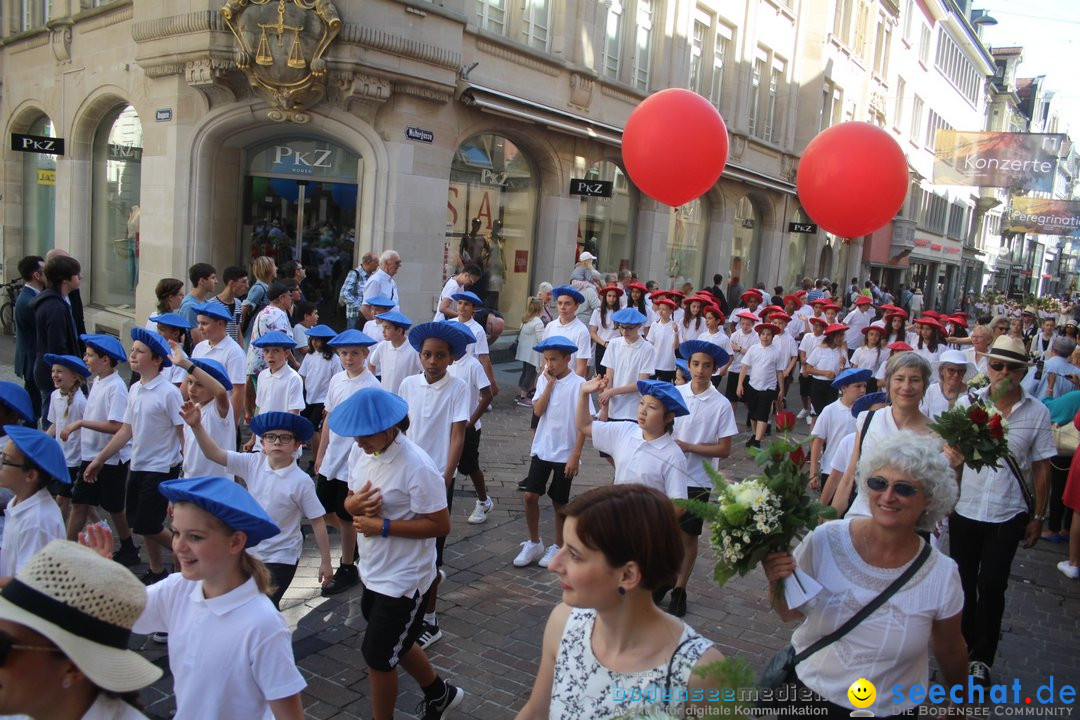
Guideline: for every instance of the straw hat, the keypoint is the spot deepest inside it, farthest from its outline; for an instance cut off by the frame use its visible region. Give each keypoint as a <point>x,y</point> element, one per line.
<point>1009,350</point>
<point>86,605</point>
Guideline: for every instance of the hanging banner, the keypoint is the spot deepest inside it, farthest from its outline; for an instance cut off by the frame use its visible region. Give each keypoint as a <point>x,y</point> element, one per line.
<point>1044,217</point>
<point>1020,161</point>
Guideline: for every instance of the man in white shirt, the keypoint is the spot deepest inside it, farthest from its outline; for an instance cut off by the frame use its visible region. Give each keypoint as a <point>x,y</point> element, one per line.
<point>567,300</point>
<point>860,317</point>
<point>382,283</point>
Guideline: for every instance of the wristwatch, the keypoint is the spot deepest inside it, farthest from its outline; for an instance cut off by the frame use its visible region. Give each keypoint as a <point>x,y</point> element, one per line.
<point>1040,518</point>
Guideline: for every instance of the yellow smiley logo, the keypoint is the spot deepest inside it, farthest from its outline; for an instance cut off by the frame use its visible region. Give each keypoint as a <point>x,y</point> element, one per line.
<point>862,693</point>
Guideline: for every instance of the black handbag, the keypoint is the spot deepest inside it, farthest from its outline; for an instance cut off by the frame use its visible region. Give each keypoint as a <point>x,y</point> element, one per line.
<point>781,669</point>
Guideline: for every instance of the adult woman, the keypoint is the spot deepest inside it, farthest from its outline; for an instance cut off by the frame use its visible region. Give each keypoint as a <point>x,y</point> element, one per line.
<point>998,326</point>
<point>912,487</point>
<point>65,620</point>
<point>981,337</point>
<point>265,270</point>
<point>942,395</point>
<point>1059,375</point>
<point>608,635</point>
<point>169,293</point>
<point>543,293</point>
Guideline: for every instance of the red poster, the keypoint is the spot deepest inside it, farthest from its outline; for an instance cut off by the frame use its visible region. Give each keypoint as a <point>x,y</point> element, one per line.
<point>521,261</point>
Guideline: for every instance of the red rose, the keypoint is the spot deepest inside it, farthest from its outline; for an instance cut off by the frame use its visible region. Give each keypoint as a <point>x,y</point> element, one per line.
<point>996,431</point>
<point>798,457</point>
<point>978,416</point>
<point>785,420</point>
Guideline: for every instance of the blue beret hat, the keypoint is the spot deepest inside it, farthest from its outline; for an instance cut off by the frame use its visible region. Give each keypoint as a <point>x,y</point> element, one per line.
<point>469,297</point>
<point>851,376</point>
<point>70,362</point>
<point>215,370</point>
<point>214,310</point>
<point>396,318</point>
<point>155,342</point>
<point>320,331</point>
<point>106,345</point>
<point>298,425</point>
<point>368,411</point>
<point>682,365</point>
<point>352,337</point>
<point>16,398</point>
<point>379,301</point>
<point>718,354</point>
<point>629,316</point>
<point>172,320</point>
<point>556,342</point>
<point>666,393</point>
<point>275,338</point>
<point>226,500</point>
<point>863,404</point>
<point>41,451</point>
<point>454,333</point>
<point>567,290</point>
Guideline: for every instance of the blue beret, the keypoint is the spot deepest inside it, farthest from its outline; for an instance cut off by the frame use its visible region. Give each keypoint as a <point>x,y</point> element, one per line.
<point>395,318</point>
<point>556,342</point>
<point>106,345</point>
<point>863,404</point>
<point>214,310</point>
<point>215,370</point>
<point>172,320</point>
<point>629,316</point>
<point>321,331</point>
<point>41,451</point>
<point>567,290</point>
<point>454,333</point>
<point>226,500</point>
<point>275,338</point>
<point>379,301</point>
<point>718,354</point>
<point>469,297</point>
<point>681,365</point>
<point>155,342</point>
<point>351,337</point>
<point>16,398</point>
<point>666,393</point>
<point>851,376</point>
<point>71,362</point>
<point>368,411</point>
<point>298,425</point>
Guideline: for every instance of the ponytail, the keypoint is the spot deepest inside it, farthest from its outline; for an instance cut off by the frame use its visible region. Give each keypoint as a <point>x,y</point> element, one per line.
<point>254,568</point>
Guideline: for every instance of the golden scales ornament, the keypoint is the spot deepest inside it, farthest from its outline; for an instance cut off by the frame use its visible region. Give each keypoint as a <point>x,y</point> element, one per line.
<point>296,52</point>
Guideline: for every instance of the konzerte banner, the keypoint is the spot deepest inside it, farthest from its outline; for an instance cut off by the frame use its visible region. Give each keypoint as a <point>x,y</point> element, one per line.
<point>1021,161</point>
<point>1044,217</point>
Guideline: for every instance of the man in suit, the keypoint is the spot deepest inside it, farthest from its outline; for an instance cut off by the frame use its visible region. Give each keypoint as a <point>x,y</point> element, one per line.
<point>32,272</point>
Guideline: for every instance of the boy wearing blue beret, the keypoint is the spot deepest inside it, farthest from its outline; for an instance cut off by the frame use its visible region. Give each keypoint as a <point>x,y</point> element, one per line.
<point>567,325</point>
<point>31,461</point>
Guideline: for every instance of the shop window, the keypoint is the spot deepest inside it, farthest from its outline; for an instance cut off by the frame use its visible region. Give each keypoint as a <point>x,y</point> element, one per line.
<point>796,256</point>
<point>605,224</point>
<point>39,194</point>
<point>117,175</point>
<point>746,243</point>
<point>688,228</point>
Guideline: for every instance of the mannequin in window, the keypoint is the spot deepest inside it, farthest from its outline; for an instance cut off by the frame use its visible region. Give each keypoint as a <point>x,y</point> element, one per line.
<point>496,267</point>
<point>133,246</point>
<point>474,250</point>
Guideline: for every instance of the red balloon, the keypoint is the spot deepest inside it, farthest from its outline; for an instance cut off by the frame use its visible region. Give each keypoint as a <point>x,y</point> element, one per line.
<point>852,179</point>
<point>674,146</point>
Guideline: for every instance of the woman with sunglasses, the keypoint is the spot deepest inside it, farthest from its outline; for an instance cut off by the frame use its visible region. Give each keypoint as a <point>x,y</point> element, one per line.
<point>942,395</point>
<point>911,487</point>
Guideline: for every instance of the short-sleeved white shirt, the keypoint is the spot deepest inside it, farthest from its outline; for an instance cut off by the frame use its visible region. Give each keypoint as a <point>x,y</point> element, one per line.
<point>107,402</point>
<point>62,414</point>
<point>288,497</point>
<point>153,412</point>
<point>280,391</point>
<point>450,288</point>
<point>934,402</point>
<point>711,419</point>
<point>627,364</point>
<point>556,433</point>
<point>222,430</point>
<point>869,358</point>
<point>574,331</point>
<point>270,318</point>
<point>229,354</point>
<point>658,463</point>
<point>823,358</point>
<point>841,455</point>
<point>28,527</point>
<point>764,362</point>
<point>745,341</point>
<point>337,446</point>
<point>662,337</point>
<point>411,486</point>
<point>480,347</point>
<point>809,343</point>
<point>394,364</point>
<point>856,320</point>
<point>373,329</point>
<point>433,409</point>
<point>788,348</point>
<point>834,422</point>
<point>471,372</point>
<point>931,356</point>
<point>229,655</point>
<point>693,330</point>
<point>317,370</point>
<point>606,332</point>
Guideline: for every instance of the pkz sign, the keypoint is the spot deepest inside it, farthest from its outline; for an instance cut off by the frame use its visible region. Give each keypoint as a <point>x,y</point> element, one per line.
<point>804,228</point>
<point>590,188</point>
<point>37,144</point>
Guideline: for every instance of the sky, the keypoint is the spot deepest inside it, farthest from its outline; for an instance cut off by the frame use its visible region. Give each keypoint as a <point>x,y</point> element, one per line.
<point>1049,32</point>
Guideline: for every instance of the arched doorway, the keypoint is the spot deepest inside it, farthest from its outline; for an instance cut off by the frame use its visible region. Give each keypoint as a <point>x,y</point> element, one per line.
<point>115,209</point>
<point>825,262</point>
<point>605,225</point>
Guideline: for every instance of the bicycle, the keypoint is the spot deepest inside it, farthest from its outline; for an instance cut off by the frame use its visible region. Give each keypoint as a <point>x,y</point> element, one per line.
<point>7,310</point>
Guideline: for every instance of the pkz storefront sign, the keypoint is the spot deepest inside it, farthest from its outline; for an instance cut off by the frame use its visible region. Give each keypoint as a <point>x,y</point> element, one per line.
<point>316,159</point>
<point>1020,161</point>
<point>804,228</point>
<point>37,144</point>
<point>591,188</point>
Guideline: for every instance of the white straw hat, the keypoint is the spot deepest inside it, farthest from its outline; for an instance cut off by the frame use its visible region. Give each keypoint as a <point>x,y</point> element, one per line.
<point>86,605</point>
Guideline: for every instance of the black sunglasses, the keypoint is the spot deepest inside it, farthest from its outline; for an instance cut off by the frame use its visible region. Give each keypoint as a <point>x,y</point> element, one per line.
<point>900,487</point>
<point>6,646</point>
<point>998,366</point>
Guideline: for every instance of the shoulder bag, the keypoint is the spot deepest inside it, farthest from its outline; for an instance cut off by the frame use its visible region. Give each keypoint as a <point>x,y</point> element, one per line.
<point>1010,460</point>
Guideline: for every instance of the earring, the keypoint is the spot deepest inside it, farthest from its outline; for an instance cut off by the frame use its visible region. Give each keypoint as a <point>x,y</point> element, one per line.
<point>66,684</point>
<point>622,590</point>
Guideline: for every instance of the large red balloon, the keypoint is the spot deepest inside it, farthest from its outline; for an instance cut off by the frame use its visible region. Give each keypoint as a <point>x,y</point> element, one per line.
<point>852,179</point>
<point>674,146</point>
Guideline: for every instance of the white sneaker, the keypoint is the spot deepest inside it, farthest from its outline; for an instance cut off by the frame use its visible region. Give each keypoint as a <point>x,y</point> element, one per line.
<point>802,413</point>
<point>1067,569</point>
<point>549,555</point>
<point>530,553</point>
<point>479,513</point>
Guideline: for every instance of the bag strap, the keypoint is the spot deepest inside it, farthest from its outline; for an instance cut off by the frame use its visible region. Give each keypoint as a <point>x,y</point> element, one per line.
<point>1010,460</point>
<point>868,608</point>
<point>862,441</point>
<point>671,666</point>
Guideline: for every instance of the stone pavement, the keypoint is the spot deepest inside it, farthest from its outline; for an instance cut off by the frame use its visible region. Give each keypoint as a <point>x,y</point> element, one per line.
<point>493,614</point>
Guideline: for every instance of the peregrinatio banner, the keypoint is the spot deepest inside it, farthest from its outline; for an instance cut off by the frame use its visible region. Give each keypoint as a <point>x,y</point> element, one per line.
<point>1020,161</point>
<point>1044,217</point>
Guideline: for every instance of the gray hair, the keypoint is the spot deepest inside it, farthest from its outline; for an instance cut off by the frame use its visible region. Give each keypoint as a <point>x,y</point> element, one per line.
<point>920,457</point>
<point>367,257</point>
<point>1064,346</point>
<point>907,359</point>
<point>388,255</point>
<point>544,287</point>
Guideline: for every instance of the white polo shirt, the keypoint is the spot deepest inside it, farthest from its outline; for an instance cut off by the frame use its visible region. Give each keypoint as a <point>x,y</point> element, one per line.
<point>394,364</point>
<point>282,390</point>
<point>856,320</point>
<point>662,337</point>
<point>411,486</point>
<point>480,347</point>
<point>745,341</point>
<point>764,362</point>
<point>607,332</point>
<point>337,446</point>
<point>229,655</point>
<point>450,288</point>
<point>823,358</point>
<point>809,343</point>
<point>720,339</point>
<point>316,370</point>
<point>433,408</point>
<point>222,431</point>
<point>28,527</point>
<point>229,354</point>
<point>373,329</point>
<point>834,422</point>
<point>841,455</point>
<point>107,402</point>
<point>62,414</point>
<point>658,463</point>
<point>153,412</point>
<point>711,419</point>
<point>471,372</point>
<point>574,331</point>
<point>556,433</point>
<point>692,331</point>
<point>869,358</point>
<point>934,402</point>
<point>627,363</point>
<point>788,348</point>
<point>288,497</point>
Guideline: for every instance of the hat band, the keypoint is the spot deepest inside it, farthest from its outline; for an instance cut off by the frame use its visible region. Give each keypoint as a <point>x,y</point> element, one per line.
<point>64,616</point>
<point>1007,355</point>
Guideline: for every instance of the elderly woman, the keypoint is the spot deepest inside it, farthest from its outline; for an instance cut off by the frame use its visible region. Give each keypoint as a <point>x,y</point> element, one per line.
<point>941,396</point>
<point>981,337</point>
<point>1059,375</point>
<point>543,293</point>
<point>607,647</point>
<point>911,487</point>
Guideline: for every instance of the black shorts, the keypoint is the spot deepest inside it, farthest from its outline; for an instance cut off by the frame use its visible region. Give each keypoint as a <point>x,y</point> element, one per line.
<point>690,523</point>
<point>314,414</point>
<point>62,489</point>
<point>332,494</point>
<point>393,624</point>
<point>732,387</point>
<point>821,394</point>
<point>108,491</point>
<point>537,480</point>
<point>598,358</point>
<point>758,402</point>
<point>665,375</point>
<point>804,386</point>
<point>470,452</point>
<point>281,577</point>
<point>146,506</point>
<point>440,542</point>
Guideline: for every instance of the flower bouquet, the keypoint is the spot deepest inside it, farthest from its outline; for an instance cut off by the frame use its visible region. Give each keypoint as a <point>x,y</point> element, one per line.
<point>978,381</point>
<point>978,432</point>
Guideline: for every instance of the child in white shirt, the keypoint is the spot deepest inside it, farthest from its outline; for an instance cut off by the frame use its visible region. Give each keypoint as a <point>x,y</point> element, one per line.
<point>206,385</point>
<point>872,353</point>
<point>764,367</point>
<point>714,333</point>
<point>629,358</point>
<point>66,406</point>
<point>320,364</point>
<point>664,336</point>
<point>32,460</point>
<point>823,364</point>
<point>742,339</point>
<point>393,359</point>
<point>469,370</point>
<point>834,422</point>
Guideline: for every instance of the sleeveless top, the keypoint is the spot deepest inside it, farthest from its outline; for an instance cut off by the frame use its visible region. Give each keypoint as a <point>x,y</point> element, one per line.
<point>583,689</point>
